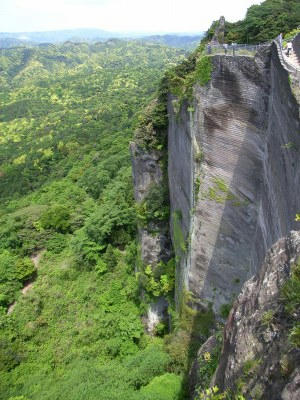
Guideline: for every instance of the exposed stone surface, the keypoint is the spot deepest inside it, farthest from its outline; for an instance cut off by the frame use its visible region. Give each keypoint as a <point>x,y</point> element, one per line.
<point>292,389</point>
<point>157,312</point>
<point>154,247</point>
<point>256,349</point>
<point>147,171</point>
<point>218,37</point>
<point>180,175</point>
<point>245,130</point>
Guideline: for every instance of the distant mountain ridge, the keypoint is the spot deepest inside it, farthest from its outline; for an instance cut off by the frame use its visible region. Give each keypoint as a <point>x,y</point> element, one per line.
<point>13,39</point>
<point>60,35</point>
<point>174,40</point>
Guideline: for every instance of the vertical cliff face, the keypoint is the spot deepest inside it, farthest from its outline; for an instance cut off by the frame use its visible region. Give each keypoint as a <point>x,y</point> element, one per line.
<point>147,171</point>
<point>154,239</point>
<point>280,192</point>
<point>234,190</point>
<point>233,173</point>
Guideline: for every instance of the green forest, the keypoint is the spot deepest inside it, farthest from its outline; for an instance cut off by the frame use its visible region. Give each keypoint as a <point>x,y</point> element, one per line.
<point>262,23</point>
<point>67,115</point>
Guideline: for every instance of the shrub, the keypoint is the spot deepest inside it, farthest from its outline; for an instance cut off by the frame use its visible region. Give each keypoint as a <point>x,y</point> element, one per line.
<point>214,394</point>
<point>100,267</point>
<point>14,271</point>
<point>57,243</point>
<point>147,364</point>
<point>225,310</point>
<point>57,217</point>
<point>295,335</point>
<point>203,70</point>
<point>86,251</point>
<point>177,345</point>
<point>25,269</point>
<point>153,124</point>
<point>155,206</point>
<point>116,214</point>
<point>10,355</point>
<point>109,257</point>
<point>267,317</point>
<point>158,280</point>
<point>164,387</point>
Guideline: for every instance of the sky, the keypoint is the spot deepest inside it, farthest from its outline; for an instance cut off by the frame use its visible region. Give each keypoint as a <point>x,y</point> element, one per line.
<point>118,15</point>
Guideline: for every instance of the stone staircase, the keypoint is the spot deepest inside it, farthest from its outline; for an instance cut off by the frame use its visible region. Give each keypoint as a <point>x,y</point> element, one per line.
<point>292,60</point>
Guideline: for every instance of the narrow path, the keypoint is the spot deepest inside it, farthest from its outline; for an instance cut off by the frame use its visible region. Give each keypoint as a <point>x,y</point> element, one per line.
<point>35,258</point>
<point>292,60</point>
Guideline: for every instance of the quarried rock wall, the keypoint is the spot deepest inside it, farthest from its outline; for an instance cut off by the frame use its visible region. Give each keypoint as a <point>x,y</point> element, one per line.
<point>234,172</point>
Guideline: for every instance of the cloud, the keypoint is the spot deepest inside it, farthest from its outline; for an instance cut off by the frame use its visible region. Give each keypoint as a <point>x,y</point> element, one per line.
<point>118,15</point>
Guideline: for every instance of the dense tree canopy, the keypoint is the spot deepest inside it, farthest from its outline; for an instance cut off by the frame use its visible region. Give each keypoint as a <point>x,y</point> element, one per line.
<point>263,22</point>
<point>67,115</point>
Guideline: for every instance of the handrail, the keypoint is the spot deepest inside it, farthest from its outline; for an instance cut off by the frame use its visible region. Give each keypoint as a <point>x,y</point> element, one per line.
<point>233,49</point>
<point>288,66</point>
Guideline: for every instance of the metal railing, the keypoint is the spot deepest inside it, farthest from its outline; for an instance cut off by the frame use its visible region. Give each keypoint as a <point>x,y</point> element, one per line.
<point>284,60</point>
<point>233,49</point>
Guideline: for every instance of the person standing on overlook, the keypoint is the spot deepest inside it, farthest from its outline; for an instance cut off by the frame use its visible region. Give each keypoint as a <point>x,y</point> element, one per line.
<point>289,48</point>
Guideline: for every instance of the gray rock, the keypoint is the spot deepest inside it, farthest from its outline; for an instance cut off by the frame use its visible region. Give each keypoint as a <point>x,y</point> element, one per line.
<point>218,37</point>
<point>156,247</point>
<point>256,352</point>
<point>157,312</point>
<point>147,171</point>
<point>292,389</point>
<point>245,126</point>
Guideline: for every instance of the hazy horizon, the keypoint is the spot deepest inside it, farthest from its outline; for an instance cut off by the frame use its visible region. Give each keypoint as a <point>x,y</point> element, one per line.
<point>120,16</point>
<point>84,28</point>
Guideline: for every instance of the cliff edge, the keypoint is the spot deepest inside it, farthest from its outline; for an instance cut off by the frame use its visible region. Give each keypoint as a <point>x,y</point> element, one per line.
<point>260,354</point>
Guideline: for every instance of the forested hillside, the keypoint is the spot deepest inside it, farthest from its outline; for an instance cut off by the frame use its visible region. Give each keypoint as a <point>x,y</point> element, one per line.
<point>68,224</point>
<point>263,22</point>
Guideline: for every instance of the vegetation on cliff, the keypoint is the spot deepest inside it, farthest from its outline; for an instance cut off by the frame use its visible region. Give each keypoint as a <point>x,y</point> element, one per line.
<point>178,81</point>
<point>263,22</point>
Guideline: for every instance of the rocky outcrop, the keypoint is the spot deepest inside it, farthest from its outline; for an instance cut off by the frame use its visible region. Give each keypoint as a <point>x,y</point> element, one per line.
<point>257,354</point>
<point>218,37</point>
<point>146,169</point>
<point>234,172</point>
<point>154,247</point>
